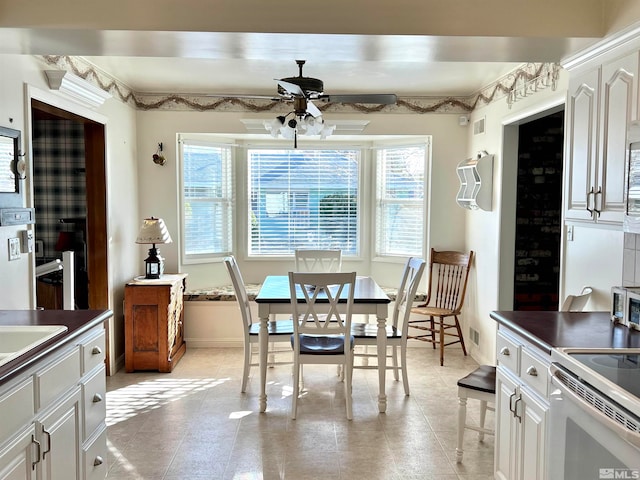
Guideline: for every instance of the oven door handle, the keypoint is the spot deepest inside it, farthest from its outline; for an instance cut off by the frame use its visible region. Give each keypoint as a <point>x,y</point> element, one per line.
<point>631,437</point>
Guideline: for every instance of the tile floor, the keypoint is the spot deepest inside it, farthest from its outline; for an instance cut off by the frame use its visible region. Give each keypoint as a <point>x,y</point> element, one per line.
<point>195,424</point>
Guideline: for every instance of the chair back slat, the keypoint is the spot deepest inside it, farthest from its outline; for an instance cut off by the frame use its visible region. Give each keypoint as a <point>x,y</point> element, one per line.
<point>318,260</point>
<point>448,276</point>
<point>411,275</point>
<point>317,311</point>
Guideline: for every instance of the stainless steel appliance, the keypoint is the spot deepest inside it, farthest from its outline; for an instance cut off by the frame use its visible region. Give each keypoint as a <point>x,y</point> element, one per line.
<point>594,414</point>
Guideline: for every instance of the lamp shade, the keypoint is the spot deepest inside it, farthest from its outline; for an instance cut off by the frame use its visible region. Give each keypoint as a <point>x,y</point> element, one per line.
<point>153,230</point>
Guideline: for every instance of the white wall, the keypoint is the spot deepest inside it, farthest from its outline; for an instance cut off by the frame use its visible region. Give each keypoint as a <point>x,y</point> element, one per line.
<point>21,78</point>
<point>488,232</point>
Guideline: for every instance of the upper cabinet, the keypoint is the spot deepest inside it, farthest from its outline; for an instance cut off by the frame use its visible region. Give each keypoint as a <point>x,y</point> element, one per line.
<point>601,102</point>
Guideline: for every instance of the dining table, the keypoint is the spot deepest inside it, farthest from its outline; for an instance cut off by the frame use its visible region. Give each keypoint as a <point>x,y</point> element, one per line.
<point>274,298</point>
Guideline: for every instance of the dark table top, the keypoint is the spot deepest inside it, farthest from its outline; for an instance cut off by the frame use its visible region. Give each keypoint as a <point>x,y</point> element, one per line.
<point>275,289</point>
<point>549,330</point>
<point>77,322</point>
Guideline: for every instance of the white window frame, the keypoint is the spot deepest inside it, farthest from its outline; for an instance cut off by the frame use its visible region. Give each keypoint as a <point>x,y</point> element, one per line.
<point>229,200</point>
<point>367,179</point>
<point>378,202</point>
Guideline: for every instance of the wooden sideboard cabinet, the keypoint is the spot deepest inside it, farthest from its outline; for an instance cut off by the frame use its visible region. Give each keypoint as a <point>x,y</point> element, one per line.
<point>153,315</point>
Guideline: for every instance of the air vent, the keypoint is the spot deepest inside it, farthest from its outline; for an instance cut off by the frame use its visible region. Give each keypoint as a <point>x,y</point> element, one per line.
<point>478,126</point>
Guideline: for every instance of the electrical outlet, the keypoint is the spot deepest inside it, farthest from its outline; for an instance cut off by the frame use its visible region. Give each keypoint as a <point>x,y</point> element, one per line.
<point>14,248</point>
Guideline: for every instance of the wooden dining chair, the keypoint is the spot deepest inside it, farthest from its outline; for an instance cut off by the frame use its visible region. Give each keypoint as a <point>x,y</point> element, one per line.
<point>280,331</point>
<point>397,330</point>
<point>318,260</point>
<point>447,286</point>
<point>322,328</point>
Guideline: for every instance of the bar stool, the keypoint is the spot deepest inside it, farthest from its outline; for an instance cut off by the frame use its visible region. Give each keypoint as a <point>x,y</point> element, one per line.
<point>480,385</point>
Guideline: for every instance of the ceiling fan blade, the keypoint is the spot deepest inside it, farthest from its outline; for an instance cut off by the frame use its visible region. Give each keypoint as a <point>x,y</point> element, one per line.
<point>378,98</point>
<point>241,95</point>
<point>291,88</point>
<point>313,110</point>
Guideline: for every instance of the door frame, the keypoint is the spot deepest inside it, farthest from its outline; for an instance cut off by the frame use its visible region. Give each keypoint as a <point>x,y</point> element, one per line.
<point>507,235</point>
<point>97,226</point>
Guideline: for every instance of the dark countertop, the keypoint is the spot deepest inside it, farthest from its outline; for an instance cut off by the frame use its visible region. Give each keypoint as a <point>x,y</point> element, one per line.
<point>549,330</point>
<point>77,322</point>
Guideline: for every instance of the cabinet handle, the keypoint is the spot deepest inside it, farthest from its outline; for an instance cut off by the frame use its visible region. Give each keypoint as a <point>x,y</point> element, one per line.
<point>532,371</point>
<point>515,409</point>
<point>511,407</point>
<point>37,443</point>
<point>44,454</point>
<point>597,209</point>
<point>96,351</point>
<point>590,194</point>
<point>505,351</point>
<point>98,461</point>
<point>97,398</point>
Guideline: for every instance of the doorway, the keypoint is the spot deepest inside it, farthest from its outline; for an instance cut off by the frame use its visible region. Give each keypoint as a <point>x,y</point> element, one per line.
<point>70,200</point>
<point>538,214</point>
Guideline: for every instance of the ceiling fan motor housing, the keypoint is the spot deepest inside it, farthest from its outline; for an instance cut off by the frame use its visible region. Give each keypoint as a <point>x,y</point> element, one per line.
<point>308,85</point>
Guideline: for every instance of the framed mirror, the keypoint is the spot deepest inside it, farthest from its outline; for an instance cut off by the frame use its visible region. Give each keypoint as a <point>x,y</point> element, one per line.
<point>10,162</point>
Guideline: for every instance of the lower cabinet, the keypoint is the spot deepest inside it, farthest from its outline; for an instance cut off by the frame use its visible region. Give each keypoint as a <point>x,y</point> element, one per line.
<point>55,415</point>
<point>522,408</point>
<point>17,457</point>
<point>59,439</point>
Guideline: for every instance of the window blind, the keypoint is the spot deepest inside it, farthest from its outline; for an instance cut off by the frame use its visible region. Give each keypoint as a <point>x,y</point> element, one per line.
<point>400,210</point>
<point>303,199</point>
<point>207,199</point>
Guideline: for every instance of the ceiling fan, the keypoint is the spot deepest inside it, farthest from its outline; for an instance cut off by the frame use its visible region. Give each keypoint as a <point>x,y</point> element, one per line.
<point>302,90</point>
<point>306,116</point>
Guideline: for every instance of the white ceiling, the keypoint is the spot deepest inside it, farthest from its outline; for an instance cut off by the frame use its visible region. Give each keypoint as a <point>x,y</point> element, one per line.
<point>407,47</point>
<point>232,63</point>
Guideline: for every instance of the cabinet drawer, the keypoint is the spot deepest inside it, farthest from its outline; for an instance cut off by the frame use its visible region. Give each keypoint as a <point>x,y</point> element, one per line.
<point>508,352</point>
<point>16,409</point>
<point>534,373</point>
<point>94,401</point>
<point>95,457</point>
<point>58,377</point>
<point>93,351</point>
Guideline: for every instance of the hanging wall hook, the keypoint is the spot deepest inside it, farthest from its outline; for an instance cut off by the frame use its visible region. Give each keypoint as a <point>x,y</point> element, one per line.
<point>158,158</point>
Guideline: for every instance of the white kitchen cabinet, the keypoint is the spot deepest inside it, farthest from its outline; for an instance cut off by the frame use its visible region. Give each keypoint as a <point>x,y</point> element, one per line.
<point>521,409</point>
<point>600,104</point>
<point>16,458</point>
<point>55,413</point>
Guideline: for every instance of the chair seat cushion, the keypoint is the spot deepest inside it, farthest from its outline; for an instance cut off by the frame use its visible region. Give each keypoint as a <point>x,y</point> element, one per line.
<point>482,379</point>
<point>279,327</point>
<point>435,311</point>
<point>370,330</point>
<point>321,345</point>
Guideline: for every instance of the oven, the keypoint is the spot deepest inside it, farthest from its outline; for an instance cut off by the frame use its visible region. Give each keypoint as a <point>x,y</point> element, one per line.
<point>594,414</point>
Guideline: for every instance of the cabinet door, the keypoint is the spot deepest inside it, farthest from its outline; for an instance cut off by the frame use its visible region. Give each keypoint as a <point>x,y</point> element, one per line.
<point>506,426</point>
<point>581,147</point>
<point>16,460</point>
<point>59,433</point>
<point>533,425</point>
<point>619,92</point>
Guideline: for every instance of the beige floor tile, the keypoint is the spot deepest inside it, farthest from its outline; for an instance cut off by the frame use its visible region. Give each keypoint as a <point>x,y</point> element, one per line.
<point>195,424</point>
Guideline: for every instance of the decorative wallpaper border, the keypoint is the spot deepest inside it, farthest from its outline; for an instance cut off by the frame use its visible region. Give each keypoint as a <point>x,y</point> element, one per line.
<point>522,82</point>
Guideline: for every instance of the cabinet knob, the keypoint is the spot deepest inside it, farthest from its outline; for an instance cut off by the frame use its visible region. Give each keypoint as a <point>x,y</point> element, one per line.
<point>532,371</point>
<point>98,461</point>
<point>97,398</point>
<point>96,351</point>
<point>505,351</point>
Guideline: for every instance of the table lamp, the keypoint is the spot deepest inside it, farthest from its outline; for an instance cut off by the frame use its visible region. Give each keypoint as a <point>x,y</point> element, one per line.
<point>153,231</point>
